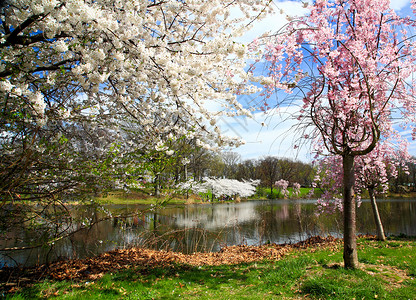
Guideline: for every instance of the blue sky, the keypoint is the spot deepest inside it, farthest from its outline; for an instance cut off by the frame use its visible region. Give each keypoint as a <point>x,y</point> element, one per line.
<point>273,133</point>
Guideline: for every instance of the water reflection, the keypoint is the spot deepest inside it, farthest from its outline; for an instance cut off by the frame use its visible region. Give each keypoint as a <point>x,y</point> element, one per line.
<point>208,227</point>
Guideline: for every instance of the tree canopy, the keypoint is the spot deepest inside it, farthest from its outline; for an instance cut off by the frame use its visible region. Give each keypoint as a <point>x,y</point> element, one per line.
<point>95,94</point>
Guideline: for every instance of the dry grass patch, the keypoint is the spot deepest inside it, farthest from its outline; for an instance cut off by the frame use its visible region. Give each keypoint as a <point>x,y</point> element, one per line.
<point>389,274</point>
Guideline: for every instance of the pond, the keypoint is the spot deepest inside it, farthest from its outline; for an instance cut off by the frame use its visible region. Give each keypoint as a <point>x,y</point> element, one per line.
<point>208,227</point>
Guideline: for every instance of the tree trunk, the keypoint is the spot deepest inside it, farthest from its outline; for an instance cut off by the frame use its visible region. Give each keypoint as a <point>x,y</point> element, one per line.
<point>377,219</point>
<point>157,186</point>
<point>154,222</point>
<point>350,242</point>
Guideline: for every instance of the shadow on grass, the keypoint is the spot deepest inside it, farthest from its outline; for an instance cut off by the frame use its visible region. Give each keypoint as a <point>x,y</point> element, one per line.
<point>171,282</point>
<point>210,276</point>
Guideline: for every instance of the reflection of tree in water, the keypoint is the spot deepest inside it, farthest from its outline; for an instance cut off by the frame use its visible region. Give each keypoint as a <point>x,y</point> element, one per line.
<point>398,217</point>
<point>293,220</point>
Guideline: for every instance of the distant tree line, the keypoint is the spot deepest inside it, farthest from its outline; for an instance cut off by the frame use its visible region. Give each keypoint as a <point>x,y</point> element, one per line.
<point>202,163</point>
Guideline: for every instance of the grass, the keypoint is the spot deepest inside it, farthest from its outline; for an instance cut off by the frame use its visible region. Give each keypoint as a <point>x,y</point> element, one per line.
<point>388,271</point>
<point>121,197</point>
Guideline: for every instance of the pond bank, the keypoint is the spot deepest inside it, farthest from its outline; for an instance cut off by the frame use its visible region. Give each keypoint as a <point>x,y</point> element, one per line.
<point>308,270</point>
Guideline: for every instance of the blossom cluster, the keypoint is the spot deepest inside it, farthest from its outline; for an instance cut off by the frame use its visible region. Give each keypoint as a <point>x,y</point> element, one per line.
<point>122,50</point>
<point>221,187</point>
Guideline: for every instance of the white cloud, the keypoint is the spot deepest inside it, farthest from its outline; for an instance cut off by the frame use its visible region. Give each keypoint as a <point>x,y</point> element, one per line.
<point>277,137</point>
<point>397,5</point>
<point>274,21</point>
<point>407,134</point>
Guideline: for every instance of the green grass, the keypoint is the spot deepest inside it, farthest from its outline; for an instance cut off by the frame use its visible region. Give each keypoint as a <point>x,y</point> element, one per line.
<point>388,271</point>
<point>263,193</point>
<point>117,197</point>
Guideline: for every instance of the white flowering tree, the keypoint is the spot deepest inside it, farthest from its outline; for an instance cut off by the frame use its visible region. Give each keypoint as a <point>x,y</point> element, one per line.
<point>221,187</point>
<point>84,85</point>
<point>96,64</point>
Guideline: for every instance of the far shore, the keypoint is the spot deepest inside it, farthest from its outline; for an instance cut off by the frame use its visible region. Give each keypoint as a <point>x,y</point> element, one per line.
<point>133,198</point>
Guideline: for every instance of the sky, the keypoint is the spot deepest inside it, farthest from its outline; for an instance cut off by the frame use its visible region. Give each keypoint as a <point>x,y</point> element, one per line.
<point>273,134</point>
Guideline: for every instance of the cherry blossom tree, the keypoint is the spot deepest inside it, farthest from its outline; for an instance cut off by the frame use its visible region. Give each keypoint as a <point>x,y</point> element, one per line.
<point>87,85</point>
<point>95,66</point>
<point>282,186</point>
<point>348,64</point>
<point>296,189</point>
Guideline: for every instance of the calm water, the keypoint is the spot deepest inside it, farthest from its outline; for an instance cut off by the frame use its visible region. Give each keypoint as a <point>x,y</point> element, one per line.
<point>208,227</point>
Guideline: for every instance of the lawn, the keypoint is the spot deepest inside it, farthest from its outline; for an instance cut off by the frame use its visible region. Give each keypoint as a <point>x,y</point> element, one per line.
<point>387,271</point>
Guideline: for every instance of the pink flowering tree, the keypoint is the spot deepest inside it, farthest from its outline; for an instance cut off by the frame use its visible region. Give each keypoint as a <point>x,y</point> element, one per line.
<point>374,171</point>
<point>282,186</point>
<point>372,174</point>
<point>348,65</point>
<point>296,189</point>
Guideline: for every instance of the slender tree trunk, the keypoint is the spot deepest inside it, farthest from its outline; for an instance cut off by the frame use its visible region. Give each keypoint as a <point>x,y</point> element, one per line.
<point>157,186</point>
<point>377,219</point>
<point>186,179</point>
<point>177,174</point>
<point>350,242</point>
